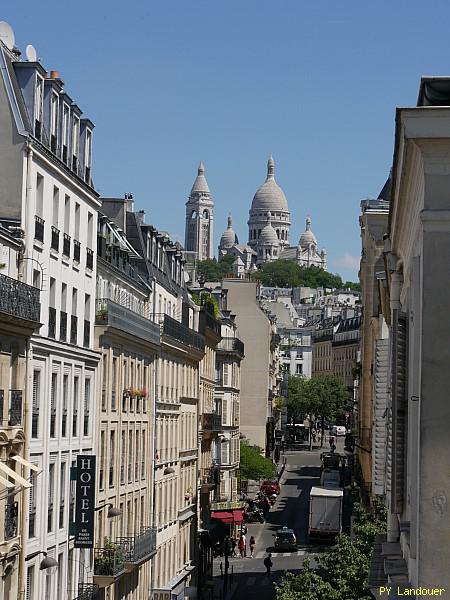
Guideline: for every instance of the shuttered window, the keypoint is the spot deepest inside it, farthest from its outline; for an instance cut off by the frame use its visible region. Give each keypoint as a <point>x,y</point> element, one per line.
<point>53,392</point>
<point>226,375</point>
<point>35,405</point>
<point>224,411</point>
<point>379,432</point>
<point>87,403</point>
<point>399,409</point>
<point>30,583</point>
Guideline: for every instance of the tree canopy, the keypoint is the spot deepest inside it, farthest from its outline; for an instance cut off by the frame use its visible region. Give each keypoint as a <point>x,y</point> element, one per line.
<point>213,270</point>
<point>323,395</point>
<point>286,273</point>
<point>253,465</point>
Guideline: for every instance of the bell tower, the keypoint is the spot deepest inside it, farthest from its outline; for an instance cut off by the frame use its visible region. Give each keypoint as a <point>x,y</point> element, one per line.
<point>200,218</point>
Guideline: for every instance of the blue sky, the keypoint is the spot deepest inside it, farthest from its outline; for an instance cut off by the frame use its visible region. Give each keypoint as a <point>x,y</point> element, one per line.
<point>229,82</point>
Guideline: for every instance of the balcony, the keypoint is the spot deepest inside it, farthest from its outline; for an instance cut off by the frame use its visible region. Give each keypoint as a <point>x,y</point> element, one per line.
<point>66,245</point>
<point>209,478</point>
<point>88,591</point>
<point>110,314</point>
<point>109,565</point>
<point>211,422</point>
<point>89,259</point>
<point>208,321</point>
<point>138,548</point>
<point>182,334</point>
<point>11,520</point>
<point>39,229</point>
<point>19,300</point>
<point>13,416</point>
<point>55,239</point>
<point>232,346</point>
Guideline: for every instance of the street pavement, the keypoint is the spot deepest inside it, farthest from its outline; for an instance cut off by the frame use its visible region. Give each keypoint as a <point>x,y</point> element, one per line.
<point>247,576</point>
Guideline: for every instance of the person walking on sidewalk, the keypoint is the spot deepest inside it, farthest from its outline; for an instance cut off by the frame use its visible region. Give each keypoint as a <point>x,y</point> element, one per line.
<point>252,546</point>
<point>242,545</point>
<point>268,564</point>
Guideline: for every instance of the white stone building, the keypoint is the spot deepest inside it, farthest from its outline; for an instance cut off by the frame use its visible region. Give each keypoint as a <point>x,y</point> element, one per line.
<point>47,191</point>
<point>200,218</point>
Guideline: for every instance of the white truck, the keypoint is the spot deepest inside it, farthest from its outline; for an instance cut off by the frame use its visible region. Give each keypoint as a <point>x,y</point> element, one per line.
<point>325,512</point>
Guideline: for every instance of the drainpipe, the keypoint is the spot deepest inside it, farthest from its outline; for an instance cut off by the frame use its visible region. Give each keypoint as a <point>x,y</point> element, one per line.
<point>28,386</point>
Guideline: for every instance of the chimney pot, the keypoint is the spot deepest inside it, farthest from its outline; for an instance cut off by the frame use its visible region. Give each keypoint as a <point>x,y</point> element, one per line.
<point>54,75</point>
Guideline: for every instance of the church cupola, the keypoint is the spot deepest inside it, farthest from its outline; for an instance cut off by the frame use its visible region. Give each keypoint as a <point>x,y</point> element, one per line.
<point>200,218</point>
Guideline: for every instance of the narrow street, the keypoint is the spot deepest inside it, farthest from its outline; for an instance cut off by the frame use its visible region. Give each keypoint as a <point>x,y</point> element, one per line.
<point>247,576</point>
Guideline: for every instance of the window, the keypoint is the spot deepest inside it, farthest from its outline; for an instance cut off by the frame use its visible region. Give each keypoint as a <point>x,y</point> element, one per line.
<point>77,221</point>
<point>123,457</point>
<point>67,214</point>
<point>62,494</point>
<point>51,493</point>
<point>112,441</point>
<point>39,195</point>
<point>53,400</point>
<point>65,132</point>
<point>39,102</point>
<point>113,383</point>
<point>75,140</point>
<point>87,404</point>
<point>54,122</point>
<point>35,404</point>
<point>143,456</point>
<point>88,150</point>
<point>32,505</point>
<point>76,387</point>
<point>130,455</point>
<point>102,460</point>
<point>64,405</point>
<point>299,369</point>
<point>30,583</point>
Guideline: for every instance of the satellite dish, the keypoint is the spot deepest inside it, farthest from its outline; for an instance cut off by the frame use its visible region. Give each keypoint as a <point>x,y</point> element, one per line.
<point>30,51</point>
<point>7,35</point>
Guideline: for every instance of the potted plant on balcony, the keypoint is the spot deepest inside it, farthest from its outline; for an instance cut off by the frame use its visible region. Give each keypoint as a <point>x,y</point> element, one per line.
<point>188,494</point>
<point>110,560</point>
<point>101,313</point>
<point>142,393</point>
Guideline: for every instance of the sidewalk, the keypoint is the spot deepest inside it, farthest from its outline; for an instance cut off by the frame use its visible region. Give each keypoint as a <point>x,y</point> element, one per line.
<point>218,578</point>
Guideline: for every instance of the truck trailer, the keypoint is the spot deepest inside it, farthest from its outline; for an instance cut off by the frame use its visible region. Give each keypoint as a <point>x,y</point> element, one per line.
<point>325,512</point>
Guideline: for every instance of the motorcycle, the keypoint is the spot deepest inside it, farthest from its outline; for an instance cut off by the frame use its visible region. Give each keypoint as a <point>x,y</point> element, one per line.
<point>254,516</point>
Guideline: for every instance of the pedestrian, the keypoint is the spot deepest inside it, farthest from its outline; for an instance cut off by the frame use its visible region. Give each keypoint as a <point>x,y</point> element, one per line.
<point>233,546</point>
<point>241,546</point>
<point>268,564</point>
<point>252,546</point>
<point>322,435</point>
<point>331,441</point>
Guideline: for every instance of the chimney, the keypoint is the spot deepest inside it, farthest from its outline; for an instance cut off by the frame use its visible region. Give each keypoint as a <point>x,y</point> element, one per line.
<point>140,217</point>
<point>54,75</point>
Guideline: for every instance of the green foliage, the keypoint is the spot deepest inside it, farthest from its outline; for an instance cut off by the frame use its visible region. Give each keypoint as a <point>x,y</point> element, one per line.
<point>351,285</point>
<point>286,273</point>
<point>322,395</point>
<point>213,270</point>
<point>253,465</point>
<point>342,572</point>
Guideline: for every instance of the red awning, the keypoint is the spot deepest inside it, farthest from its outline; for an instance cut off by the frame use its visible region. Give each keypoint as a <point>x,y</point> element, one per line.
<point>229,516</point>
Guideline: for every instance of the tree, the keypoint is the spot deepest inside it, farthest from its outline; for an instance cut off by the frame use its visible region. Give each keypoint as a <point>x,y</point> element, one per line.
<point>322,395</point>
<point>213,270</point>
<point>253,465</point>
<point>351,285</point>
<point>286,273</point>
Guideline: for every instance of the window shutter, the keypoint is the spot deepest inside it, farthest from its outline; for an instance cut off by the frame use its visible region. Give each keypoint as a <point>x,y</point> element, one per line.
<point>224,411</point>
<point>36,377</point>
<point>379,432</point>
<point>399,410</point>
<point>222,489</point>
<point>30,582</point>
<point>87,393</point>
<point>53,393</point>
<point>224,447</point>
<point>226,374</point>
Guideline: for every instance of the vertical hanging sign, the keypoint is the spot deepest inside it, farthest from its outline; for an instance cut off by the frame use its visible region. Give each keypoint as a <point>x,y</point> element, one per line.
<point>85,502</point>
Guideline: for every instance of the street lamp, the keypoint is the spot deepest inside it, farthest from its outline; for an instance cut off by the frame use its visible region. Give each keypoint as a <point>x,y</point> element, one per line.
<point>47,563</point>
<point>112,510</point>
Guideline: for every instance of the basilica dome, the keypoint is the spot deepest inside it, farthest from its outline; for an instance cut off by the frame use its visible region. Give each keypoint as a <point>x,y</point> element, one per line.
<point>229,238</point>
<point>270,196</point>
<point>307,237</point>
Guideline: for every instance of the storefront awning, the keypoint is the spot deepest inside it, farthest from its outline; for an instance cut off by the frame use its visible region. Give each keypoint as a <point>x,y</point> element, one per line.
<point>10,473</point>
<point>228,516</point>
<point>25,463</point>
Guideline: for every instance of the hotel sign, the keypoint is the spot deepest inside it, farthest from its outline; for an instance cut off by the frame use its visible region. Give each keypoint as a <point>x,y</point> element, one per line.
<point>85,502</point>
<point>227,505</point>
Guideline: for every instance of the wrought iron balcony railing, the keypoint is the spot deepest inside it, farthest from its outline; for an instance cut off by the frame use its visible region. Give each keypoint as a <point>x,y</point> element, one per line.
<point>139,548</point>
<point>231,345</point>
<point>76,250</point>
<point>109,313</point>
<point>66,245</point>
<point>55,239</point>
<point>11,414</point>
<point>88,591</point>
<point>207,320</point>
<point>11,519</point>
<point>89,258</point>
<point>183,334</point>
<point>39,228</point>
<point>211,422</point>
<point>109,562</point>
<point>18,299</point>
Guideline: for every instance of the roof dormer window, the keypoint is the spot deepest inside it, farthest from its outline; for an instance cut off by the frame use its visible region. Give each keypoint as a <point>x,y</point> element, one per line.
<point>38,107</point>
<point>88,156</point>
<point>65,132</point>
<point>54,122</point>
<point>75,143</point>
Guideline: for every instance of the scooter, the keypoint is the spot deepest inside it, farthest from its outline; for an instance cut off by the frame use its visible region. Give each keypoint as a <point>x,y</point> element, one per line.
<point>254,516</point>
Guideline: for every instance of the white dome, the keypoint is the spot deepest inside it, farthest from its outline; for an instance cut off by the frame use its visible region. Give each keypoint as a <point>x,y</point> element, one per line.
<point>268,235</point>
<point>270,196</point>
<point>307,237</point>
<point>229,238</point>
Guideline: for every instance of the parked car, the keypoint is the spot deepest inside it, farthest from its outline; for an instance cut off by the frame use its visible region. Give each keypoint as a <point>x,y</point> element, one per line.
<point>338,430</point>
<point>285,539</point>
<point>270,487</point>
<point>330,478</point>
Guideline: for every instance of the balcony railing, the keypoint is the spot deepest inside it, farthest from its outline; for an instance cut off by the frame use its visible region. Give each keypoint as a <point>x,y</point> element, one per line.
<point>19,300</point>
<point>109,562</point>
<point>55,239</point>
<point>231,345</point>
<point>76,250</point>
<point>183,334</point>
<point>63,326</point>
<point>89,258</point>
<point>88,591</point>
<point>211,422</point>
<point>66,245</point>
<point>52,322</point>
<point>109,313</point>
<point>207,320</point>
<point>39,228</point>
<point>139,548</point>
<point>210,476</point>
<point>13,416</point>
<point>11,519</point>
